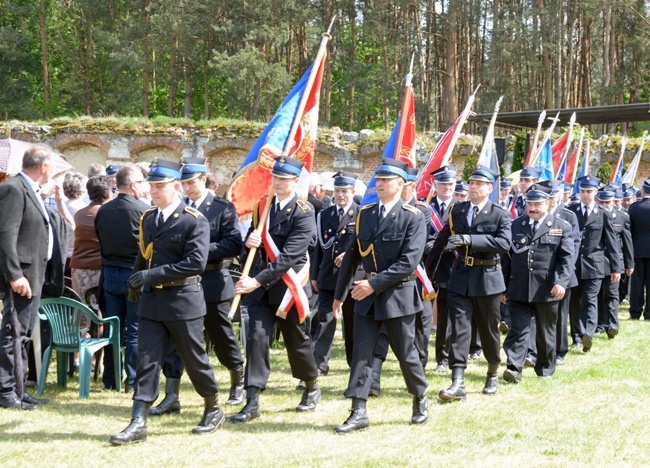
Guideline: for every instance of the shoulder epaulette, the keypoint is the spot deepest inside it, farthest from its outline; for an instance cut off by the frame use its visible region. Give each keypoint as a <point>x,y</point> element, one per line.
<point>564,221</point>
<point>503,208</point>
<point>304,206</point>
<point>410,208</point>
<point>193,211</point>
<point>221,200</point>
<point>150,210</point>
<point>365,207</point>
<point>421,203</point>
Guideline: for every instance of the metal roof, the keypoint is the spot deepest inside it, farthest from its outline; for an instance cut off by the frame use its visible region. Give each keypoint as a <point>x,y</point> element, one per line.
<point>584,116</point>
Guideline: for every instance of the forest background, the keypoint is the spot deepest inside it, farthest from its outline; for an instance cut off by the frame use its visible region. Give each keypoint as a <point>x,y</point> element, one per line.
<point>204,59</point>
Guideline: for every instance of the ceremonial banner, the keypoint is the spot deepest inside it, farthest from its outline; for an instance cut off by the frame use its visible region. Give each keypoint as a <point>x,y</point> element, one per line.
<point>545,162</point>
<point>557,150</point>
<point>401,144</point>
<point>253,177</point>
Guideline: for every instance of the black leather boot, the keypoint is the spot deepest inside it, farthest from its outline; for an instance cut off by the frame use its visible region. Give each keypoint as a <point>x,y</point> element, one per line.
<point>213,417</point>
<point>492,380</point>
<point>420,409</point>
<point>169,404</point>
<point>237,391</point>
<point>375,386</point>
<point>357,420</point>
<point>136,431</point>
<point>310,396</point>
<point>251,410</point>
<point>457,390</point>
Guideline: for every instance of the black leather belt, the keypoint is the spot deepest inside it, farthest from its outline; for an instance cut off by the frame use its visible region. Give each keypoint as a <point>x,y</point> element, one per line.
<point>220,265</point>
<point>472,262</point>
<point>179,282</point>
<point>405,280</point>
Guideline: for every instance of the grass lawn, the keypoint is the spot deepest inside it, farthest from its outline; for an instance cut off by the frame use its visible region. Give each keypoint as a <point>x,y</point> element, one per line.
<point>594,411</point>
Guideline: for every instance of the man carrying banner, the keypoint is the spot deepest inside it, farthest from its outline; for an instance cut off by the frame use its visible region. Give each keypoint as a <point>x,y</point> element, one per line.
<point>335,231</point>
<point>390,239</point>
<point>275,290</point>
<point>444,180</point>
<point>480,231</point>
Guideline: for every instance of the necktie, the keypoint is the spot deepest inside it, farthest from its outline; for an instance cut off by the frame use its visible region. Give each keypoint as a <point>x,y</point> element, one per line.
<point>382,211</point>
<point>340,214</point>
<point>586,213</point>
<point>442,208</point>
<point>533,228</point>
<point>193,205</point>
<point>474,213</point>
<point>161,219</point>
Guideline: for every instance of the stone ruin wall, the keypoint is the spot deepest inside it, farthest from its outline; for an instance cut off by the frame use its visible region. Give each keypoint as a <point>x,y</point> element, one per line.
<point>335,150</point>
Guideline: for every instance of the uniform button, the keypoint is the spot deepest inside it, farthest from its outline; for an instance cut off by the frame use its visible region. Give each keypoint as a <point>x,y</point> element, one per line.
<point>531,269</point>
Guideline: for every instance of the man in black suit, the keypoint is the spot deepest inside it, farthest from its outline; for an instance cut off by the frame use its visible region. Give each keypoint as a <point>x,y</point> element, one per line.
<point>537,273</point>
<point>274,290</point>
<point>117,224</point>
<point>217,285</point>
<point>335,231</point>
<point>560,211</point>
<point>640,225</point>
<point>174,245</point>
<point>609,295</point>
<point>26,245</point>
<point>423,319</point>
<point>480,231</point>
<point>390,239</point>
<point>597,240</point>
<point>444,180</point>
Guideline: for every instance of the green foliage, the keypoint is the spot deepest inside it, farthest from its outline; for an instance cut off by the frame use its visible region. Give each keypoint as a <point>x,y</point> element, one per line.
<point>470,164</point>
<point>604,172</point>
<point>519,152</point>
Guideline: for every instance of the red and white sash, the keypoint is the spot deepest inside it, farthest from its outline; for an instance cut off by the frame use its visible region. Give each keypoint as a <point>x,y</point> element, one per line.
<point>428,293</point>
<point>295,294</point>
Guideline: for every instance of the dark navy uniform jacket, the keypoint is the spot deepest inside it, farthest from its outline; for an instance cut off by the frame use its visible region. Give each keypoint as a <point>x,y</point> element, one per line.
<point>640,224</point>
<point>293,230</point>
<point>225,243</point>
<point>389,251</point>
<point>569,216</point>
<point>334,238</point>
<point>621,223</point>
<point>538,262</point>
<point>490,233</point>
<point>597,240</point>
<point>180,250</point>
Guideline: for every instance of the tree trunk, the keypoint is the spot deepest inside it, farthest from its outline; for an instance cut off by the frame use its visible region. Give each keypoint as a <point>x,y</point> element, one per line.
<point>450,105</point>
<point>187,102</point>
<point>44,59</point>
<point>172,77</point>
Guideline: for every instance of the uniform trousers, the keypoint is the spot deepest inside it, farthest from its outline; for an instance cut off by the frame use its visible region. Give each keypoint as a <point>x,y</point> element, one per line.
<point>155,338</point>
<point>486,311</point>
<point>219,329</point>
<point>562,334</point>
<point>442,328</point>
<point>327,328</point>
<point>25,320</point>
<point>401,337</point>
<point>261,323</point>
<point>640,289</point>
<point>608,305</point>
<point>516,343</point>
<point>584,308</point>
<point>423,322</point>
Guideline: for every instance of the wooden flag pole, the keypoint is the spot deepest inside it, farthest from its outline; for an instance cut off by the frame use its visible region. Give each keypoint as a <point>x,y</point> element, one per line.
<point>320,56</point>
<point>575,164</point>
<point>547,136</point>
<point>533,148</point>
<point>565,153</point>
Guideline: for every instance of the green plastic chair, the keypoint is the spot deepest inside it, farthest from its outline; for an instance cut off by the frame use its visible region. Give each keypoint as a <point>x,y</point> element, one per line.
<point>65,315</point>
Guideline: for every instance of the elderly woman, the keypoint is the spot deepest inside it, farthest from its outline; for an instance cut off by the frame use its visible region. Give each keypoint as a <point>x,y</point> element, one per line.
<point>86,259</point>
